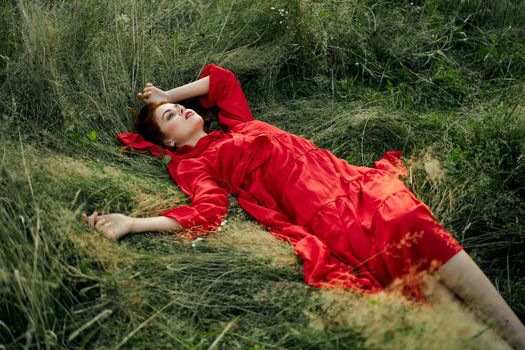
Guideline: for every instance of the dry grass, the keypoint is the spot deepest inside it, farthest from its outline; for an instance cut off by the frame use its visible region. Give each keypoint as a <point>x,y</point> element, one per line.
<point>250,237</point>
<point>389,321</point>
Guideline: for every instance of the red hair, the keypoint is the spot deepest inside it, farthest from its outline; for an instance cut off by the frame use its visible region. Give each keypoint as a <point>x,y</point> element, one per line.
<point>146,125</point>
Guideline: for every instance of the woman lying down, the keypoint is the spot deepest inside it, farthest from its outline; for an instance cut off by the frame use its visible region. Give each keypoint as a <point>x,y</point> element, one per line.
<point>352,226</point>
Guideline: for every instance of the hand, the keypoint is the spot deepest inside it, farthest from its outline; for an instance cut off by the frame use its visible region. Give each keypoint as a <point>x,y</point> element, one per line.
<point>152,94</point>
<point>113,226</point>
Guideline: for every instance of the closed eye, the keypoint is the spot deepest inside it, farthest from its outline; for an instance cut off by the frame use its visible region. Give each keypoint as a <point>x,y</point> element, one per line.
<point>172,114</point>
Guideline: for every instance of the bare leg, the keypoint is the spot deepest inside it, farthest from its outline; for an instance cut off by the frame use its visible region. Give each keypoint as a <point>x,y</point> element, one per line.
<point>463,276</point>
<point>441,296</point>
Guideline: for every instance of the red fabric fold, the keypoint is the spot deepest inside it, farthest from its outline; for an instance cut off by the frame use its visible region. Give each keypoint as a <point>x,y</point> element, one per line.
<point>391,162</point>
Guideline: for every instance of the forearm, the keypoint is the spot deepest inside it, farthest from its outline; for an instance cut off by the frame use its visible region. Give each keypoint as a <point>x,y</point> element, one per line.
<point>195,88</point>
<point>156,223</point>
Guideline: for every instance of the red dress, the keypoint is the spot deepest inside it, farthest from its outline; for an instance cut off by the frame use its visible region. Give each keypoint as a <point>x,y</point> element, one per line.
<point>352,226</point>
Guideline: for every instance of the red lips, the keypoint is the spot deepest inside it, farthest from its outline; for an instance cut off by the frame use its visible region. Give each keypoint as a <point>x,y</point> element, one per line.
<point>188,114</point>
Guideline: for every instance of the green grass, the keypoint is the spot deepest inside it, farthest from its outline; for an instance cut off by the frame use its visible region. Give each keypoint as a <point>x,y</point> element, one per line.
<point>442,81</point>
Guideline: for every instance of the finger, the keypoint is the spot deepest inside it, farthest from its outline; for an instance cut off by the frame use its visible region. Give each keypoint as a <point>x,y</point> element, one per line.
<point>90,220</point>
<point>93,219</point>
<point>98,226</point>
<point>149,84</point>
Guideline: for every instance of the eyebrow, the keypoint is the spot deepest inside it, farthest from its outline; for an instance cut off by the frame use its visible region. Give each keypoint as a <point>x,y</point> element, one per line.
<point>168,110</point>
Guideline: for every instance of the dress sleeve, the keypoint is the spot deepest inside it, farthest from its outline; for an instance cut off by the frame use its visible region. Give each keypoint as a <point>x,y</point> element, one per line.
<point>226,93</point>
<point>209,200</point>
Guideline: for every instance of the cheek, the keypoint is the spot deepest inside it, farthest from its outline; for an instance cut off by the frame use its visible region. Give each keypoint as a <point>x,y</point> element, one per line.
<point>185,128</point>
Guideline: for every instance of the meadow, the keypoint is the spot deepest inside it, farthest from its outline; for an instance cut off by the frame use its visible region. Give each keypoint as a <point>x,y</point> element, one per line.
<point>443,81</point>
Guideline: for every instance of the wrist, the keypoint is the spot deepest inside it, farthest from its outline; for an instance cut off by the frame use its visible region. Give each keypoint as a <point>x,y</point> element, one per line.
<point>189,90</point>
<point>158,223</point>
<point>172,95</point>
<point>169,224</point>
<point>132,225</point>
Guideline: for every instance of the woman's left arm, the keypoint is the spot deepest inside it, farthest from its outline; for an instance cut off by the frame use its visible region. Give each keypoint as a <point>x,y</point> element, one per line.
<point>153,94</point>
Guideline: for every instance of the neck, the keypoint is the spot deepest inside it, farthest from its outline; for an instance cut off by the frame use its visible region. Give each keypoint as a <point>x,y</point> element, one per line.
<point>194,139</point>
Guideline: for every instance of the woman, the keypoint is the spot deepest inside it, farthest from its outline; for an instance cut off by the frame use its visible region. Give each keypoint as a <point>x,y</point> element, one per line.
<point>352,226</point>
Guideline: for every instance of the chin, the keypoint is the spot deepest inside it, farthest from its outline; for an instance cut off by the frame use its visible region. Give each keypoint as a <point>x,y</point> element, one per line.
<point>198,117</point>
<point>199,121</point>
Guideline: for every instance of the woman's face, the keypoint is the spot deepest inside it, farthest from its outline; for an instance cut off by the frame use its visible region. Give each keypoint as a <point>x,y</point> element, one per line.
<point>177,123</point>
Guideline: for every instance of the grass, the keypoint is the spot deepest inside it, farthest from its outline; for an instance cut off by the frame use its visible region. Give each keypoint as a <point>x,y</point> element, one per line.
<point>440,80</point>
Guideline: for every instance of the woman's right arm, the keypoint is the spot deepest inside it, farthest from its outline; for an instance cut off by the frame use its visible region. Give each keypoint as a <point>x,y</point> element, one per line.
<point>115,225</point>
<point>156,223</point>
<point>208,208</point>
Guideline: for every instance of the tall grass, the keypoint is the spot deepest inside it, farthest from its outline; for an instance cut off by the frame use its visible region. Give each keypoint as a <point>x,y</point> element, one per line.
<point>441,80</point>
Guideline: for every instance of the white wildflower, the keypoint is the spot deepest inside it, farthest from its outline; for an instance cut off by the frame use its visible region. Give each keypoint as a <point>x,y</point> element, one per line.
<point>123,18</point>
<point>193,243</point>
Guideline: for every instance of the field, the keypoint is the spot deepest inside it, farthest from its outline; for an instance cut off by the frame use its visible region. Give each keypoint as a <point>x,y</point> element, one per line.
<point>443,81</point>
